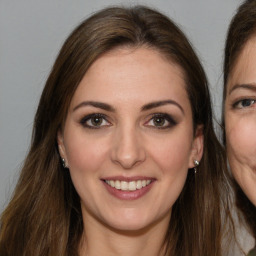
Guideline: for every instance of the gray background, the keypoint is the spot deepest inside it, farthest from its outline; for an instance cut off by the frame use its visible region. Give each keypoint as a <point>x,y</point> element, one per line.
<point>32,32</point>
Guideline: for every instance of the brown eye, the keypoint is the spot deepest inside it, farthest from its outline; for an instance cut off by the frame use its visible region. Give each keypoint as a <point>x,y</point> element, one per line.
<point>159,121</point>
<point>95,121</point>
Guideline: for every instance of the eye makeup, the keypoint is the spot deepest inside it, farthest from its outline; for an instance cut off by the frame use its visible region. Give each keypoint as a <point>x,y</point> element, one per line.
<point>161,121</point>
<point>155,121</point>
<point>95,121</point>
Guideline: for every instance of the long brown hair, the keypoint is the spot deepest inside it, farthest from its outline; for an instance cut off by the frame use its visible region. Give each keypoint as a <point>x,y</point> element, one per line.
<point>44,216</point>
<point>241,29</point>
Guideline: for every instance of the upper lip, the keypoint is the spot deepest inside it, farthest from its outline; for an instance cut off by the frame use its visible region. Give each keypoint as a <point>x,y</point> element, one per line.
<point>123,178</point>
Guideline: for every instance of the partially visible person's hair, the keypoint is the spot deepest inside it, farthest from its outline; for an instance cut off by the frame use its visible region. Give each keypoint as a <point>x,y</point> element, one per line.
<point>44,216</point>
<point>241,29</point>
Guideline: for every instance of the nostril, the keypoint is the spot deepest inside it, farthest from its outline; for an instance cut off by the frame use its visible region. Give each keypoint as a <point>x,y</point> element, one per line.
<point>128,159</point>
<point>127,149</point>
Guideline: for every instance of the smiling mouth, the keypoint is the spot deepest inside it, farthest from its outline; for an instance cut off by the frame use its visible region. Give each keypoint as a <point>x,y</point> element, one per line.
<point>128,185</point>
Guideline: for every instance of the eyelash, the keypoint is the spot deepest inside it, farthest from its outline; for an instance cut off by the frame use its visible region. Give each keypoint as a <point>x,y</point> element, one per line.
<point>237,104</point>
<point>165,117</point>
<point>84,121</point>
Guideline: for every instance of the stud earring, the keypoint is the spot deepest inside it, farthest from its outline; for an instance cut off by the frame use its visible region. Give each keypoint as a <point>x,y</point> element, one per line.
<point>64,163</point>
<point>196,163</point>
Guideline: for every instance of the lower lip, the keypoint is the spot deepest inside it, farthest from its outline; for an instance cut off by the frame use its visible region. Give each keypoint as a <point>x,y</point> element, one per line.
<point>126,194</point>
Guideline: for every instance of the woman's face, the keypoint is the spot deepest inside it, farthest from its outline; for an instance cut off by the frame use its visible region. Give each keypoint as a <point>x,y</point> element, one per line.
<point>128,139</point>
<point>240,120</point>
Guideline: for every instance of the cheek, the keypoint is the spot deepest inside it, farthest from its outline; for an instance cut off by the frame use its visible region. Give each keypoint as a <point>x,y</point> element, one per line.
<point>172,159</point>
<point>86,157</point>
<point>173,153</point>
<point>84,152</point>
<point>241,140</point>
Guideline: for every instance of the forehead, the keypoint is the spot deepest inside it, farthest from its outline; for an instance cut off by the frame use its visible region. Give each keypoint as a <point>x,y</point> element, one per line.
<point>244,68</point>
<point>142,56</point>
<point>137,74</point>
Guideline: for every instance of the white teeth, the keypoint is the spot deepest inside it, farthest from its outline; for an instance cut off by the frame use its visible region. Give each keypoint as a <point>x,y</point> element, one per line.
<point>124,185</point>
<point>132,186</point>
<point>117,184</point>
<point>128,185</point>
<point>139,185</point>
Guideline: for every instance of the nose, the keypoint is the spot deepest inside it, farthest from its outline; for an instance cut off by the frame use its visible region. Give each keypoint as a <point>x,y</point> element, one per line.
<point>128,149</point>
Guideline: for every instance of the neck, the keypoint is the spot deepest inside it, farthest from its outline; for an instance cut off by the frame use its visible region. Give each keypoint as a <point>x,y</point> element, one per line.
<point>99,239</point>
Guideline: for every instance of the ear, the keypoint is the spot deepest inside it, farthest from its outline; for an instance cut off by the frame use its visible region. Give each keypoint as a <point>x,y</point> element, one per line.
<point>197,146</point>
<point>61,146</point>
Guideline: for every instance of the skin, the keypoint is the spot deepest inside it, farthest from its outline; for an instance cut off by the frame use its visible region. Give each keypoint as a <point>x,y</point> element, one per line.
<point>129,142</point>
<point>240,120</point>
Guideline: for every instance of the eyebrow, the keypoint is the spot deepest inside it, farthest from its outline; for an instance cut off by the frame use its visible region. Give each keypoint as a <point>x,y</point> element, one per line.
<point>161,103</point>
<point>251,87</point>
<point>146,107</point>
<point>95,104</point>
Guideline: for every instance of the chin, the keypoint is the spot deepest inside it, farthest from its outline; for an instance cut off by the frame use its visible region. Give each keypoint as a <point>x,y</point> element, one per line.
<point>129,222</point>
<point>132,227</point>
<point>133,221</point>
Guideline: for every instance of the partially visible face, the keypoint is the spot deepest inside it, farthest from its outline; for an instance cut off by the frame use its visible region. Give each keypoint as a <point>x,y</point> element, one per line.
<point>240,120</point>
<point>128,139</point>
